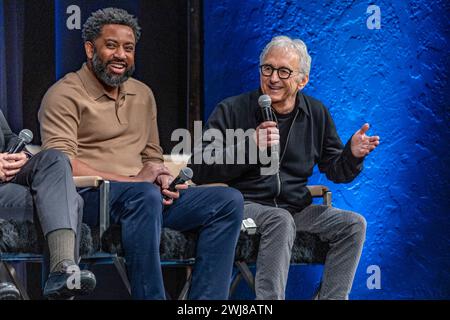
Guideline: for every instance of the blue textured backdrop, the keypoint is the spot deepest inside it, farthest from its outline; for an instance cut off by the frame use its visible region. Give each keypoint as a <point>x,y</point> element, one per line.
<point>395,78</point>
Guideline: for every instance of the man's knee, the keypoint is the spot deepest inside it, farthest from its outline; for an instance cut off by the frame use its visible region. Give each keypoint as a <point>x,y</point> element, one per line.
<point>54,159</point>
<point>52,155</point>
<point>231,200</point>
<point>356,224</point>
<point>236,203</point>
<point>281,222</point>
<point>226,202</point>
<point>143,194</point>
<point>234,198</point>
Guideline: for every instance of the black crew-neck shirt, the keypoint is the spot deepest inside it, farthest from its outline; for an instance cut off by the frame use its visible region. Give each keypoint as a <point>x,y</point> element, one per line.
<point>284,123</point>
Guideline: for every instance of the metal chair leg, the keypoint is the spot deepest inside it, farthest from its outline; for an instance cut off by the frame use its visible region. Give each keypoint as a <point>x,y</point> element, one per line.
<point>246,274</point>
<point>235,283</point>
<point>184,292</point>
<point>327,198</point>
<point>104,207</point>
<point>119,263</point>
<point>11,271</point>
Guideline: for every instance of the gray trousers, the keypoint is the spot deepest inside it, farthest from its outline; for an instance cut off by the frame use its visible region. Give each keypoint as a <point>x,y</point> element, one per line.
<point>344,231</point>
<point>44,188</point>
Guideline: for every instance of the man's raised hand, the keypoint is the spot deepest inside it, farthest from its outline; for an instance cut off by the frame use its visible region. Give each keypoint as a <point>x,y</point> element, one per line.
<point>363,144</point>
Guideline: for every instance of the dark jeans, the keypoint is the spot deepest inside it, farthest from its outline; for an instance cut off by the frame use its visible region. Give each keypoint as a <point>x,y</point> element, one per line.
<point>215,212</point>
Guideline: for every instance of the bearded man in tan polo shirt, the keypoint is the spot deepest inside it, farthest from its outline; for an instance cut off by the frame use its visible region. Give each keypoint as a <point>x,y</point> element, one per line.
<point>105,121</point>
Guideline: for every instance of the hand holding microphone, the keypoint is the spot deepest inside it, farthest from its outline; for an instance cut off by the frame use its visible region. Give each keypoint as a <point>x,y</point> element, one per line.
<point>267,134</point>
<point>13,161</point>
<point>170,192</point>
<point>25,137</point>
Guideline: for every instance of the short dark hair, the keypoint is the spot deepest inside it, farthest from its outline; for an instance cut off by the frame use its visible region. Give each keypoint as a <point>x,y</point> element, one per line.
<point>92,28</point>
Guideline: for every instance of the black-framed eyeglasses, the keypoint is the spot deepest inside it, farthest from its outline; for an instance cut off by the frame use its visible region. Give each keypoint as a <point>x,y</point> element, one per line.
<point>283,72</point>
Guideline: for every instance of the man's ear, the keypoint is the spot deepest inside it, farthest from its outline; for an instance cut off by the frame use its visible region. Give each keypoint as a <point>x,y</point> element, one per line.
<point>89,48</point>
<point>303,82</point>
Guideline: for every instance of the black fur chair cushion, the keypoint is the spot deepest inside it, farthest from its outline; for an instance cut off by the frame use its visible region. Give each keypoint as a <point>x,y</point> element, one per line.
<point>22,237</point>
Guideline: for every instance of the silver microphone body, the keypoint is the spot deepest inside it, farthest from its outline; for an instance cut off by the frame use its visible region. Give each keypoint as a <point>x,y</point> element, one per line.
<point>185,174</point>
<point>265,102</point>
<point>25,137</point>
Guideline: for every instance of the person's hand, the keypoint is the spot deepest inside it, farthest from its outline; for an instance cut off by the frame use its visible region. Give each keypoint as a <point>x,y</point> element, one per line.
<point>266,135</point>
<point>10,165</point>
<point>362,144</point>
<point>164,180</point>
<point>2,170</point>
<point>150,171</point>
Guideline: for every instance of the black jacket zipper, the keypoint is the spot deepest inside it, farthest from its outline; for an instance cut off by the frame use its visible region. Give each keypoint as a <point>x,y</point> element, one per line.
<point>281,157</point>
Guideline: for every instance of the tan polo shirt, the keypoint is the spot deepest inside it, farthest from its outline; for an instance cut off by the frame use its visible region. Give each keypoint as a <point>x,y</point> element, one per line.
<point>78,117</point>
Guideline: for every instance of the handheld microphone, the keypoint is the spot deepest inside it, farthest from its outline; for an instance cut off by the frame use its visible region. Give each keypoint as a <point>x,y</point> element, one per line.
<point>25,137</point>
<point>265,102</point>
<point>185,174</point>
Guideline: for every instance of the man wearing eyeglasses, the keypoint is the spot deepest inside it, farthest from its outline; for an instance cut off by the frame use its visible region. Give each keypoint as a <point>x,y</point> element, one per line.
<point>304,135</point>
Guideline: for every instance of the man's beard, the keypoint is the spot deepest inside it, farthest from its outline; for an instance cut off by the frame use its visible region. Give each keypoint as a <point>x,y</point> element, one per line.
<point>110,79</point>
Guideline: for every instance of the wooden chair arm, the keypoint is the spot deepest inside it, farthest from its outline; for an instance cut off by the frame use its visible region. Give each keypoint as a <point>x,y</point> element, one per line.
<point>213,185</point>
<point>317,190</point>
<point>103,187</point>
<point>320,191</point>
<point>87,181</point>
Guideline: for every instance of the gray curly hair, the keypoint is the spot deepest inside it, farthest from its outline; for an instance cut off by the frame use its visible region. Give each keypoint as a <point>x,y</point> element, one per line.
<point>92,28</point>
<point>297,45</point>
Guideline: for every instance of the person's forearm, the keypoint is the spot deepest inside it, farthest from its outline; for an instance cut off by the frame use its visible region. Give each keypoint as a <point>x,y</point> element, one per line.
<point>343,166</point>
<point>80,168</point>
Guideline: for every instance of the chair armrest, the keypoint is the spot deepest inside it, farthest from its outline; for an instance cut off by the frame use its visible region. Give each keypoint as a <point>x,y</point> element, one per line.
<point>214,185</point>
<point>217,184</point>
<point>87,181</point>
<point>317,190</point>
<point>103,188</point>
<point>176,162</point>
<point>320,191</point>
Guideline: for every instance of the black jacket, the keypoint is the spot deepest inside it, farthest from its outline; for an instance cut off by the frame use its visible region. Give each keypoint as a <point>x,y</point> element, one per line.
<point>312,140</point>
<point>7,137</point>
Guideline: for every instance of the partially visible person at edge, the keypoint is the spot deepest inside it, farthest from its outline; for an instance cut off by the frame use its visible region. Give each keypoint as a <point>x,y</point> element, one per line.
<point>41,188</point>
